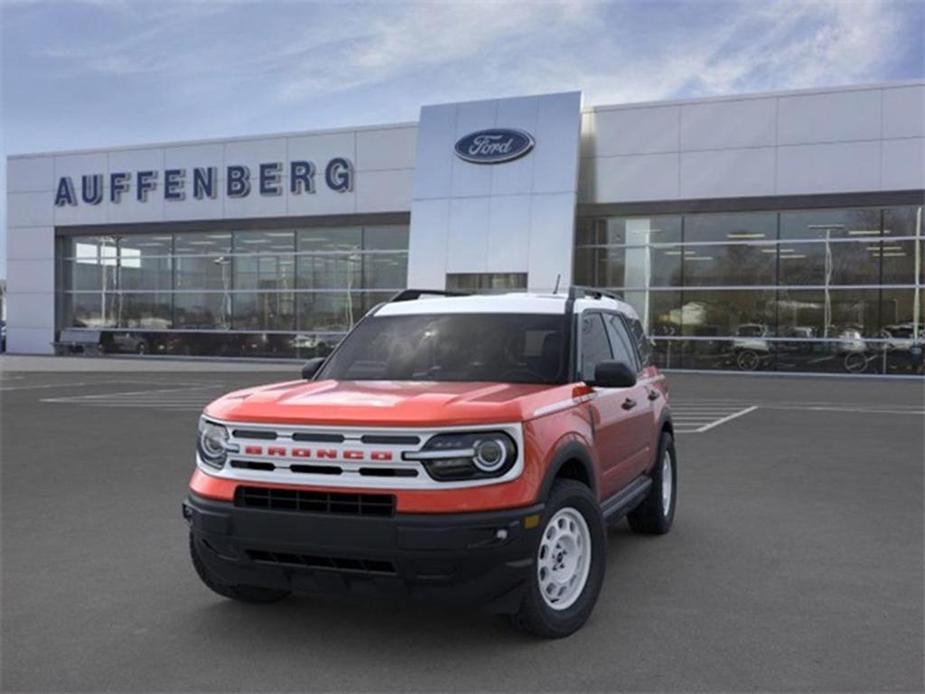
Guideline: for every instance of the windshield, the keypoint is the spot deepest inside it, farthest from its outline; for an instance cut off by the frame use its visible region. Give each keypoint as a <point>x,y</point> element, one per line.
<point>507,348</point>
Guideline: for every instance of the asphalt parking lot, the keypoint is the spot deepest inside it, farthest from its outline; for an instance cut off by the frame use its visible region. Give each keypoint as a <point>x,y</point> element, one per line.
<point>795,563</point>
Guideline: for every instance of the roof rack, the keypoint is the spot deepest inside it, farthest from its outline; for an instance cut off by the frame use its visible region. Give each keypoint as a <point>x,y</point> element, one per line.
<point>579,292</point>
<point>412,294</point>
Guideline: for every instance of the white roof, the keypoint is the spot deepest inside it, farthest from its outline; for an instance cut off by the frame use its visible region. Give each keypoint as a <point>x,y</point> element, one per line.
<point>500,303</point>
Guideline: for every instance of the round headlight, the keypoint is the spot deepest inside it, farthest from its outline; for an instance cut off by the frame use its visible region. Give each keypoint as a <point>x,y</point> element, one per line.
<point>213,443</point>
<point>490,454</point>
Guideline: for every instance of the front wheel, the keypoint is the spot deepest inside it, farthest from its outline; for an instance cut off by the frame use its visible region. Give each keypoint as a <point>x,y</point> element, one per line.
<point>655,514</point>
<point>569,569</point>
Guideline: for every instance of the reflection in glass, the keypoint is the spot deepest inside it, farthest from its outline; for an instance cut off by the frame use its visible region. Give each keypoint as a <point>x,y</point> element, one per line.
<point>203,310</point>
<point>728,265</point>
<point>147,310</point>
<point>486,282</point>
<point>726,312</point>
<point>203,243</point>
<point>735,226</point>
<point>848,314</point>
<point>263,311</point>
<point>861,223</point>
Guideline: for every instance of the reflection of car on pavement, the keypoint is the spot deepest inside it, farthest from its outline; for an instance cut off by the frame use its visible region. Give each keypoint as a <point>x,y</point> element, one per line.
<point>750,349</point>
<point>461,448</point>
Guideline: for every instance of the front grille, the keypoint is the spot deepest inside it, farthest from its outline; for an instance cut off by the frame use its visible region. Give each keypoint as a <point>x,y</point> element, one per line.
<point>315,501</point>
<point>367,566</point>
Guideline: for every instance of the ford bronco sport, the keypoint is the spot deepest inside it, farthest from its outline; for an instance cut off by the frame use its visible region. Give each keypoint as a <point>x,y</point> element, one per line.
<point>463,447</point>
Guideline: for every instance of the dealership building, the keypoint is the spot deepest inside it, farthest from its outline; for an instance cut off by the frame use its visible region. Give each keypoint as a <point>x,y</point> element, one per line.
<point>776,232</point>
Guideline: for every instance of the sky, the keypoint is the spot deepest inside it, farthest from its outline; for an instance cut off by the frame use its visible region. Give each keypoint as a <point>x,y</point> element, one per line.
<point>96,73</point>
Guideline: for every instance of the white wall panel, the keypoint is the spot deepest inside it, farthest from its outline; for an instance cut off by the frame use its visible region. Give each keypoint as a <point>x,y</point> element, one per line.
<point>635,131</point>
<point>555,166</point>
<point>384,191</point>
<point>904,164</point>
<point>552,231</point>
<point>509,234</point>
<point>30,309</point>
<point>253,152</point>
<point>388,148</point>
<point>904,112</point>
<point>30,209</point>
<point>515,177</point>
<point>132,160</point>
<point>193,155</point>
<point>430,225</point>
<point>30,243</point>
<point>436,132</point>
<point>828,168</point>
<point>727,172</point>
<point>30,275</point>
<point>728,124</point>
<point>636,177</point>
<point>829,117</point>
<point>467,243</point>
<point>30,340</point>
<point>76,165</point>
<point>192,209</point>
<point>30,174</point>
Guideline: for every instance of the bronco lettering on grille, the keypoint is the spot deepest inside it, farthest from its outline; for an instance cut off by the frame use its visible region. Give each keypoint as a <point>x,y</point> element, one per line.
<point>318,453</point>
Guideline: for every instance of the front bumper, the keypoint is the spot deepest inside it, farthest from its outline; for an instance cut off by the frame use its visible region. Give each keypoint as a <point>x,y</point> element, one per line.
<point>468,558</point>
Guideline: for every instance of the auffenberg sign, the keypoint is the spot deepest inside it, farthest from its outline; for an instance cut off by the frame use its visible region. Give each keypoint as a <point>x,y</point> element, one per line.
<point>203,182</point>
<point>494,146</point>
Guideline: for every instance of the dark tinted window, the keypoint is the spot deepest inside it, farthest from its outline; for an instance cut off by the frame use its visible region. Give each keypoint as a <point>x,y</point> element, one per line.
<point>595,346</point>
<point>643,345</point>
<point>623,349</point>
<point>507,348</point>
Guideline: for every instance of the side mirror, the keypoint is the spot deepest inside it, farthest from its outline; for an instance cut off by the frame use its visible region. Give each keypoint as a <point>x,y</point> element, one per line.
<point>613,374</point>
<point>310,368</point>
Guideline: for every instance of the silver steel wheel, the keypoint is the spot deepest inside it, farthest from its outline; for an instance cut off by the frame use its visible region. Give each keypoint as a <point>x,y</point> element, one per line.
<point>667,482</point>
<point>564,558</point>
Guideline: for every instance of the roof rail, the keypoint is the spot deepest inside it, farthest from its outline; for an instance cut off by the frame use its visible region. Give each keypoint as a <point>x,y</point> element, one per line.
<point>579,292</point>
<point>412,294</point>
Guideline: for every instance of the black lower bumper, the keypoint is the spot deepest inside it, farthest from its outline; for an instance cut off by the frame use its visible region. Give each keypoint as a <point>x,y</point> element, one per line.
<point>468,558</point>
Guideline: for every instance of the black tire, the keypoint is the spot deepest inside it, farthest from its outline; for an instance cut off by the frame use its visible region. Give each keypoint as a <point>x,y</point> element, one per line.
<point>252,594</point>
<point>855,363</point>
<point>748,360</point>
<point>535,615</point>
<point>651,517</point>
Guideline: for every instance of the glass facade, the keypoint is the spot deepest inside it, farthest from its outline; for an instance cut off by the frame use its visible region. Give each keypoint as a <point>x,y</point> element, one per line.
<point>825,290</point>
<point>274,292</point>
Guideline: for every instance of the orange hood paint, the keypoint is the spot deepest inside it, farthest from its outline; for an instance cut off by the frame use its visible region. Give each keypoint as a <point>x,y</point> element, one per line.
<point>387,403</point>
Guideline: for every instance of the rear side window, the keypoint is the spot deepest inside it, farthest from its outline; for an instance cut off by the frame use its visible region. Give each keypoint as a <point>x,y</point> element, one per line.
<point>595,346</point>
<point>643,345</point>
<point>623,349</point>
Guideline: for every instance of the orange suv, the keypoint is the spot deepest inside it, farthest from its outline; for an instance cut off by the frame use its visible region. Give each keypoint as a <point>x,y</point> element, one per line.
<point>469,448</point>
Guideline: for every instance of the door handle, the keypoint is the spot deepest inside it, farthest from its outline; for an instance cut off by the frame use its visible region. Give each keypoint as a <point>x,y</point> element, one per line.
<point>628,404</point>
<point>653,394</point>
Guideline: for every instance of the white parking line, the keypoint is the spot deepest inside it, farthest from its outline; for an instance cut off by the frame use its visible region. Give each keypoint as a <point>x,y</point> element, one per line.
<point>192,397</point>
<point>698,416</point>
<point>727,418</point>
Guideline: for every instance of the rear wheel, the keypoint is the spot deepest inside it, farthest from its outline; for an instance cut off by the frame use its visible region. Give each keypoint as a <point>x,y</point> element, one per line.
<point>241,593</point>
<point>569,570</point>
<point>655,514</point>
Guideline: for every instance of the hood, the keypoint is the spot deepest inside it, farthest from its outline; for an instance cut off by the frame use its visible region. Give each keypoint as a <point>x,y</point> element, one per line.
<point>386,403</point>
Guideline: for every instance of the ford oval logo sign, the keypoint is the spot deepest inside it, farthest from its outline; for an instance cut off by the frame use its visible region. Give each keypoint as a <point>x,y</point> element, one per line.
<point>494,146</point>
